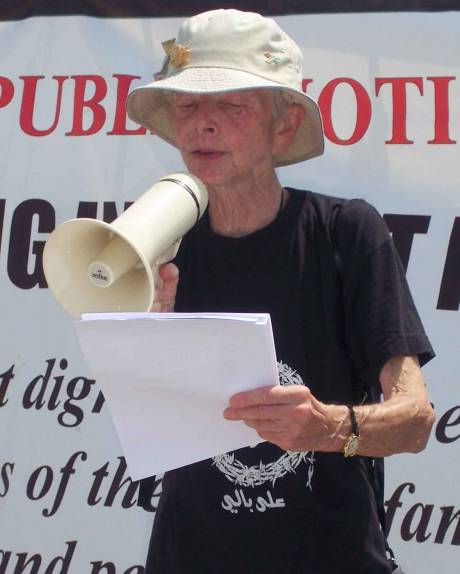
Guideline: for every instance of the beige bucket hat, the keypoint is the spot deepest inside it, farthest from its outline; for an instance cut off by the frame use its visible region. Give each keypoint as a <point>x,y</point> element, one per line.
<point>229,50</point>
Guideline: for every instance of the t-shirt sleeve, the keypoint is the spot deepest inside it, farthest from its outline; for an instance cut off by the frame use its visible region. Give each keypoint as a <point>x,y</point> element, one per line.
<point>381,320</point>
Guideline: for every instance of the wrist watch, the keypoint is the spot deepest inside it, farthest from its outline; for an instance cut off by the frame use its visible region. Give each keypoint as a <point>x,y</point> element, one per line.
<point>352,442</point>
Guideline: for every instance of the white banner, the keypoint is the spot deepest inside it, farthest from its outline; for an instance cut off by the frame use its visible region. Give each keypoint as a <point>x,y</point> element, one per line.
<point>388,88</point>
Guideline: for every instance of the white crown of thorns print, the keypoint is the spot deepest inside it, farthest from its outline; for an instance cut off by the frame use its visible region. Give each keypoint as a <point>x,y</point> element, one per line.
<point>242,475</point>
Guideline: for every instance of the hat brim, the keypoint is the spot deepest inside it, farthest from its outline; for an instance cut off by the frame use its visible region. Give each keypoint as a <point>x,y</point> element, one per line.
<point>148,106</point>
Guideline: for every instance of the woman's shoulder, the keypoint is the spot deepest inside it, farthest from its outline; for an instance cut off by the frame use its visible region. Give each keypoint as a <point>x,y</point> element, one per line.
<point>347,222</point>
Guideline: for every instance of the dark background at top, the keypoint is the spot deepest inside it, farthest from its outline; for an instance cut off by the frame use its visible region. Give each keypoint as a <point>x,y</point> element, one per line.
<point>19,9</point>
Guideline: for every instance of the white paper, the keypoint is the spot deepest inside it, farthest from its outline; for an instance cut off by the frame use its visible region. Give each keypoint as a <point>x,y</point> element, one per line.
<point>167,378</point>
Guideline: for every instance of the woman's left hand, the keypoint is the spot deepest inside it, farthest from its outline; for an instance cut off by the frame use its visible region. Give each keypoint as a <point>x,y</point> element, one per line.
<point>291,417</point>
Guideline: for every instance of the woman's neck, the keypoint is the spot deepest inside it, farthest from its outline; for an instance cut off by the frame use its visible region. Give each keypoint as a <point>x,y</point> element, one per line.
<point>241,208</point>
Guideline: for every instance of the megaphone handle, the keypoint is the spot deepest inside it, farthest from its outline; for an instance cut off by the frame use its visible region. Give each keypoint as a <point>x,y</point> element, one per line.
<point>157,281</point>
<point>165,258</point>
<point>170,253</point>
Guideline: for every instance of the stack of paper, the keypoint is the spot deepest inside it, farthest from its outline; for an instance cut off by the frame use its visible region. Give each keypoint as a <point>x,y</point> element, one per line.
<point>167,378</point>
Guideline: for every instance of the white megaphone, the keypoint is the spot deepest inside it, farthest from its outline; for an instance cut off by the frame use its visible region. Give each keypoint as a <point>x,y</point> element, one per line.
<point>93,266</point>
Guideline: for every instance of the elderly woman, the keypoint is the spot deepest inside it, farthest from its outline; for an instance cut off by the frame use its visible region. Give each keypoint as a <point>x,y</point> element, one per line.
<point>346,331</point>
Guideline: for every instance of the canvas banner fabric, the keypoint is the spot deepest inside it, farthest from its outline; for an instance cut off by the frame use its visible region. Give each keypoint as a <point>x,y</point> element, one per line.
<point>388,88</point>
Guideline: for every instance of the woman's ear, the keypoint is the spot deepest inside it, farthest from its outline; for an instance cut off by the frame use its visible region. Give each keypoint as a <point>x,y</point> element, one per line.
<point>286,127</point>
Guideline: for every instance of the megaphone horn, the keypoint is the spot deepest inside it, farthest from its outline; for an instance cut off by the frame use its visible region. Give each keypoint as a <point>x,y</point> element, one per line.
<point>93,266</point>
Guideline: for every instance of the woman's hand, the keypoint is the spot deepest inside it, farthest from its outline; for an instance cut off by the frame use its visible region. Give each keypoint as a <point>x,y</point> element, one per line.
<point>291,417</point>
<point>165,290</point>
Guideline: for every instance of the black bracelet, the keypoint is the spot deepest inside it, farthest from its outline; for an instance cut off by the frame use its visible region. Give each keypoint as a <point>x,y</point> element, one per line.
<point>354,423</point>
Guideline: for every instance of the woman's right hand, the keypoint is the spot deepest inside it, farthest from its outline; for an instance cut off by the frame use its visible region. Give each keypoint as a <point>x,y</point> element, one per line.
<point>165,291</point>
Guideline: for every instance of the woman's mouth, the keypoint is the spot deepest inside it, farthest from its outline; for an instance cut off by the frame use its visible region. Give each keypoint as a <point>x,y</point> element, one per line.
<point>207,154</point>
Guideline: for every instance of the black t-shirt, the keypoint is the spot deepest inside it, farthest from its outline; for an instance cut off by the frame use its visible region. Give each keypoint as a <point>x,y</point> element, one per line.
<point>327,272</point>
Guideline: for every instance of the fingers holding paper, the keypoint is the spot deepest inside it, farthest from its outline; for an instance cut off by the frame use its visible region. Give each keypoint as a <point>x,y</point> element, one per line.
<point>290,417</point>
<point>165,291</point>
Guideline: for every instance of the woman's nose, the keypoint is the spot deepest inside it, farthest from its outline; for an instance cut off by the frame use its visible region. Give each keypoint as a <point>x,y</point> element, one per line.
<point>206,119</point>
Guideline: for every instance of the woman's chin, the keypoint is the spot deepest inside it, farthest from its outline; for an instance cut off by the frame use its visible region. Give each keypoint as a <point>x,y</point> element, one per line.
<point>209,176</point>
